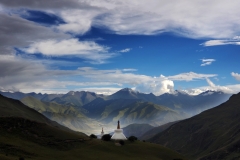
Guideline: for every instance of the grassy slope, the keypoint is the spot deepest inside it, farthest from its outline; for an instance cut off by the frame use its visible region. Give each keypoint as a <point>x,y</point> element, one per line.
<point>213,134</point>
<point>53,145</point>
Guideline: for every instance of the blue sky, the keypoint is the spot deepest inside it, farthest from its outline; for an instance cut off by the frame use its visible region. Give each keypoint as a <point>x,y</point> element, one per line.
<point>158,47</point>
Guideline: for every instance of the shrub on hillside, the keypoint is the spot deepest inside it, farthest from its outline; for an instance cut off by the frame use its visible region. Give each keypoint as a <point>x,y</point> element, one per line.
<point>132,138</point>
<point>121,142</point>
<point>106,137</point>
<point>93,136</point>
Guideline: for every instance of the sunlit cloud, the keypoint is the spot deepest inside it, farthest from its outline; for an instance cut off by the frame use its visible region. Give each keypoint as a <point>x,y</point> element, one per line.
<point>125,50</point>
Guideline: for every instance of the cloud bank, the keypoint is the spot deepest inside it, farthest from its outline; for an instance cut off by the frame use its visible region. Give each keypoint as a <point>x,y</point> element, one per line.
<point>195,19</point>
<point>20,74</point>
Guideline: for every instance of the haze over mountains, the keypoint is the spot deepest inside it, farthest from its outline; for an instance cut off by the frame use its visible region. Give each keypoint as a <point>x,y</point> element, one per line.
<point>89,112</point>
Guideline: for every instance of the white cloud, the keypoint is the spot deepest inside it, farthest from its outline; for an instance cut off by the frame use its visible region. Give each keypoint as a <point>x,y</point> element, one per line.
<point>206,62</point>
<point>129,70</point>
<point>236,37</point>
<point>195,91</point>
<point>77,21</point>
<point>221,42</point>
<point>190,76</point>
<point>17,32</point>
<point>236,76</point>
<point>71,47</point>
<point>125,50</point>
<point>231,89</point>
<point>210,83</point>
<point>157,87</point>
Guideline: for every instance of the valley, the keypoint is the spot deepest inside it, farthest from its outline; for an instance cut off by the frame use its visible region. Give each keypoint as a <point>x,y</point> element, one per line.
<point>27,134</point>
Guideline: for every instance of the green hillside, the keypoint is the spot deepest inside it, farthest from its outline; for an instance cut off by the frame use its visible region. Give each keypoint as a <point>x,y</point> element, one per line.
<point>213,134</point>
<point>37,141</point>
<point>66,115</point>
<point>15,108</point>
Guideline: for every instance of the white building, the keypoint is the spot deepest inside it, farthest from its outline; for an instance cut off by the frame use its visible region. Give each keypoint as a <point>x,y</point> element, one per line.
<point>118,134</point>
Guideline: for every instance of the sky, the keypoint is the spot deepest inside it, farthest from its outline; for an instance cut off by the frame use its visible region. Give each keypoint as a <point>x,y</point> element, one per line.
<point>153,46</point>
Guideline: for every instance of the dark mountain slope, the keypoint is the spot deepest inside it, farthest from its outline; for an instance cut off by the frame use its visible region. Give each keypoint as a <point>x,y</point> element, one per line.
<point>156,130</point>
<point>14,108</point>
<point>136,130</point>
<point>213,134</point>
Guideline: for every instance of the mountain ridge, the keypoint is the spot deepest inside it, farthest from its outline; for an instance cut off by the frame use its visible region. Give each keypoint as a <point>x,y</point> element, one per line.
<point>212,134</point>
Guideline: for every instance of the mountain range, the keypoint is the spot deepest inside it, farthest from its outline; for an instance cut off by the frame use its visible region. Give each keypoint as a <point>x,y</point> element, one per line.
<point>88,111</point>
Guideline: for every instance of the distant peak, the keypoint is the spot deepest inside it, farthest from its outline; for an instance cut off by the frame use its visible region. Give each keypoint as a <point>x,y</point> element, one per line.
<point>71,93</point>
<point>126,89</point>
<point>129,90</point>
